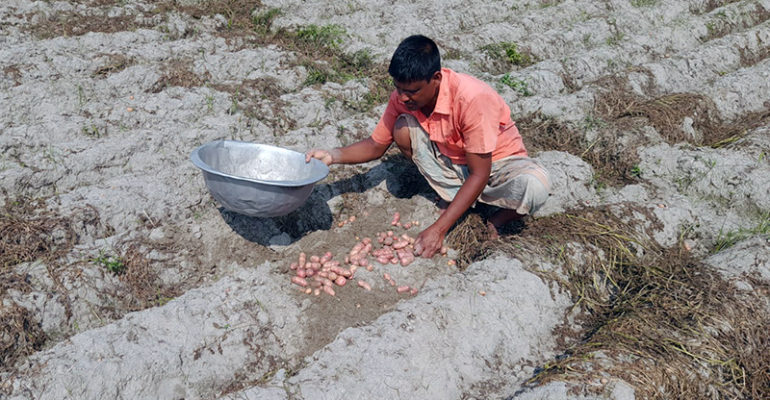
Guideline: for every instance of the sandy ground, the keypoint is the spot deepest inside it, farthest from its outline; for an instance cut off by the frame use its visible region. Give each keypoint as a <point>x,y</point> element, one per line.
<point>123,278</point>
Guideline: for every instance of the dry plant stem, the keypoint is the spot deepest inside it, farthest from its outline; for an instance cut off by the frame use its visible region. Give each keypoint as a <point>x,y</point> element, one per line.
<point>645,307</point>
<point>618,109</point>
<point>25,232</point>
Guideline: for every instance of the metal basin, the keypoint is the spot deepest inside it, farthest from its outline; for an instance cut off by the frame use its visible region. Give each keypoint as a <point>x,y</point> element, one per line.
<point>256,179</point>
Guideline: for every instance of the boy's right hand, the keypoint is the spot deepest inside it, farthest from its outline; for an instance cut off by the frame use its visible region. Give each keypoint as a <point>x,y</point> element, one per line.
<point>324,156</point>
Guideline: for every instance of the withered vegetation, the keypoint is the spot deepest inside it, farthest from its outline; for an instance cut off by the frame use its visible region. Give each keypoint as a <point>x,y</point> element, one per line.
<point>616,122</point>
<point>95,18</point>
<point>611,159</point>
<point>29,231</point>
<point>752,57</point>
<point>14,73</point>
<point>709,5</point>
<point>668,112</point>
<point>115,63</point>
<point>179,73</point>
<point>248,24</point>
<point>470,236</point>
<point>723,23</point>
<point>20,335</point>
<point>673,327</point>
<point>142,281</point>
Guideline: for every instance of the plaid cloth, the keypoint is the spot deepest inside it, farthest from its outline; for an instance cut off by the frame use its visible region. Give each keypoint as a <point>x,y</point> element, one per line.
<point>516,183</point>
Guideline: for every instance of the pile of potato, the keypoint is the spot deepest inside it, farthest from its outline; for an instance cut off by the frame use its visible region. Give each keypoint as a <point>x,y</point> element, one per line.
<point>316,274</point>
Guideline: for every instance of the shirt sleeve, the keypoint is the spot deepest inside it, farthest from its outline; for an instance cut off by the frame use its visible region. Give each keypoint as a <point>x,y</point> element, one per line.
<point>383,132</point>
<point>479,124</point>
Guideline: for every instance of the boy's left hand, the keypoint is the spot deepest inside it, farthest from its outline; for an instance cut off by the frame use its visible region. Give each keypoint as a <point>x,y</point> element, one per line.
<point>429,242</point>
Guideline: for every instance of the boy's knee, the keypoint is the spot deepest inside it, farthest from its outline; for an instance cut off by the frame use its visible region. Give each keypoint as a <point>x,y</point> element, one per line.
<point>401,135</point>
<point>535,194</point>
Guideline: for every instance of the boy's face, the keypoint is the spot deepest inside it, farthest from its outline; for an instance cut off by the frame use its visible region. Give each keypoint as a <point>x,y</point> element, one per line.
<point>419,94</point>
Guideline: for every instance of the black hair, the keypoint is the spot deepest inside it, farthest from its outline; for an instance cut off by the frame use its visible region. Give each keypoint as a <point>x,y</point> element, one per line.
<point>416,59</point>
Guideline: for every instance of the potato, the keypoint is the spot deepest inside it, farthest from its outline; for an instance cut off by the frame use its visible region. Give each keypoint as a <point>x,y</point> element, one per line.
<point>298,281</point>
<point>356,249</point>
<point>364,285</point>
<point>330,263</point>
<point>384,252</point>
<point>396,218</point>
<point>400,244</point>
<point>406,259</point>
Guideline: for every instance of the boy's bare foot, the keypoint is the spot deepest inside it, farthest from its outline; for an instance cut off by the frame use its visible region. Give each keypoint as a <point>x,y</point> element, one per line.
<point>492,231</point>
<point>499,219</point>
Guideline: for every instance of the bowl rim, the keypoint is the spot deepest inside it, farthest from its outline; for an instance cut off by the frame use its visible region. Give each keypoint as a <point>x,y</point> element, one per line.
<point>198,162</point>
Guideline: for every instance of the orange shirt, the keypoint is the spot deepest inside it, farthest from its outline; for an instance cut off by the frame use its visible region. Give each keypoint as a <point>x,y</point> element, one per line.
<point>469,116</point>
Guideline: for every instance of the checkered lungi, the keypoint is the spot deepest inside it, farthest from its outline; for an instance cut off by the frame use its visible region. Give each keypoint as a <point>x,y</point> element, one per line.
<point>516,183</point>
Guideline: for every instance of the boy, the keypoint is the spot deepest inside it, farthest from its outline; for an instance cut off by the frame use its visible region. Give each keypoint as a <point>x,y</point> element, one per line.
<point>459,133</point>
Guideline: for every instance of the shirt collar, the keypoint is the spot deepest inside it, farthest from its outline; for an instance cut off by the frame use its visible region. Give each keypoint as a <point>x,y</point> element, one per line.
<point>444,99</point>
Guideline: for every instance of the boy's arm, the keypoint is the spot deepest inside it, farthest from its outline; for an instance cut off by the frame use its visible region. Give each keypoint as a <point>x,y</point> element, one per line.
<point>365,150</point>
<point>431,239</point>
<point>359,152</point>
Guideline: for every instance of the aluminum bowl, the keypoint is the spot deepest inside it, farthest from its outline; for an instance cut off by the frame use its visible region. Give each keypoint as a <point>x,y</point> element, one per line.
<point>257,179</point>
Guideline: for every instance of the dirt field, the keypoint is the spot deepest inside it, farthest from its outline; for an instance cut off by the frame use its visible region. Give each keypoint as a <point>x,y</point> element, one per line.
<point>646,274</point>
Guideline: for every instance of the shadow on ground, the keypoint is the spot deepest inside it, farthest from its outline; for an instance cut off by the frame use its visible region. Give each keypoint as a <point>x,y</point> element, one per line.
<point>402,180</point>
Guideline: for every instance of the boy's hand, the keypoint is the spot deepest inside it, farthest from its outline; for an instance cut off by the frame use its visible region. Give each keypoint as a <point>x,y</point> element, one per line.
<point>429,242</point>
<point>325,156</point>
